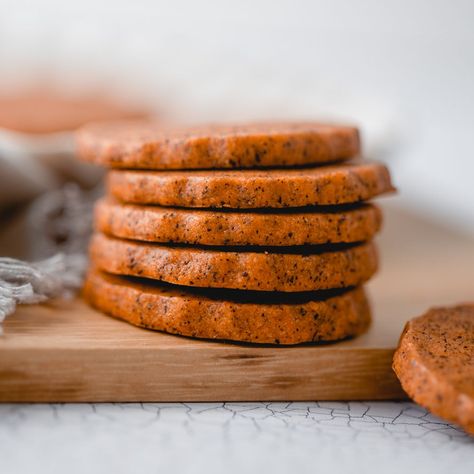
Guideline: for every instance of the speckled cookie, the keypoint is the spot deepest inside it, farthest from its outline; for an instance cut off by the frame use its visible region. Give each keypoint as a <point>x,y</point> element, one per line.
<point>147,145</point>
<point>435,363</point>
<point>243,270</point>
<point>204,227</point>
<point>227,315</point>
<point>326,185</point>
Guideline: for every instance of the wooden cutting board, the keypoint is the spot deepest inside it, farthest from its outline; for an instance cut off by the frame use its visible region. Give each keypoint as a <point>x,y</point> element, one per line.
<point>69,352</point>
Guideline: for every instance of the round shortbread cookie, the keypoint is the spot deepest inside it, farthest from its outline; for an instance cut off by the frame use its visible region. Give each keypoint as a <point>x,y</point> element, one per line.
<point>325,185</point>
<point>229,315</point>
<point>435,363</point>
<point>148,145</point>
<point>243,270</point>
<point>204,227</point>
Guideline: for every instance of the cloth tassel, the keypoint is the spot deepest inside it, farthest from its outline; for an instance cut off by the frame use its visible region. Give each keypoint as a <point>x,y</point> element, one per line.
<point>21,282</point>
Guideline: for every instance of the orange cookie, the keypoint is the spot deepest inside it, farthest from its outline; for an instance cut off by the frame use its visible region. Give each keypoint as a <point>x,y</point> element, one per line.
<point>148,145</point>
<point>204,227</point>
<point>243,270</point>
<point>230,315</point>
<point>43,112</point>
<point>435,363</point>
<point>326,185</point>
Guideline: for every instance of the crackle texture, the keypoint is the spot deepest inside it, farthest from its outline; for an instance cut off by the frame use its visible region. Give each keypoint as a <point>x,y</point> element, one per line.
<point>280,437</point>
<point>435,363</point>
<point>201,315</point>
<point>243,270</point>
<point>204,227</point>
<point>148,145</point>
<point>325,185</point>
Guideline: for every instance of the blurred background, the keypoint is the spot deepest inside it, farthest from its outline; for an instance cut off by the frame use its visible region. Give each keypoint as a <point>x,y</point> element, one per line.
<point>402,70</point>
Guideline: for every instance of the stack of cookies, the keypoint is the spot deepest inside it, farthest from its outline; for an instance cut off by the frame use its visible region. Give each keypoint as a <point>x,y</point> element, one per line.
<point>257,233</point>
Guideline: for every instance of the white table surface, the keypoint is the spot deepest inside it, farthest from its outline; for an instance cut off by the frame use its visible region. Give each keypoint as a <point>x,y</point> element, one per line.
<point>219,438</point>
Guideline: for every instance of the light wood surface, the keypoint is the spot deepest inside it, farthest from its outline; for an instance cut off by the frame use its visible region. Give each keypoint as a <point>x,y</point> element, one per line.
<point>69,352</point>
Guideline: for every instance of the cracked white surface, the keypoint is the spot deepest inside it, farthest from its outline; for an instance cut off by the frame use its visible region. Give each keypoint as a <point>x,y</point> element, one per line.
<point>232,437</point>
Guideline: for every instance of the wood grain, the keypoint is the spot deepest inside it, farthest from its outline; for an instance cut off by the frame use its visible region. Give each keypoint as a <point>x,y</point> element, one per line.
<point>69,352</point>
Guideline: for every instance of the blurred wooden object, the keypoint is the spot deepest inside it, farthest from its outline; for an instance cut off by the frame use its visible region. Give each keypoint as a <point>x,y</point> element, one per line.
<point>69,352</point>
<point>42,112</point>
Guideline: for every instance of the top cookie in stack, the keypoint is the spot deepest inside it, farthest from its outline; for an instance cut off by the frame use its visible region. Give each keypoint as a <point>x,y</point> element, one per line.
<point>272,254</point>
